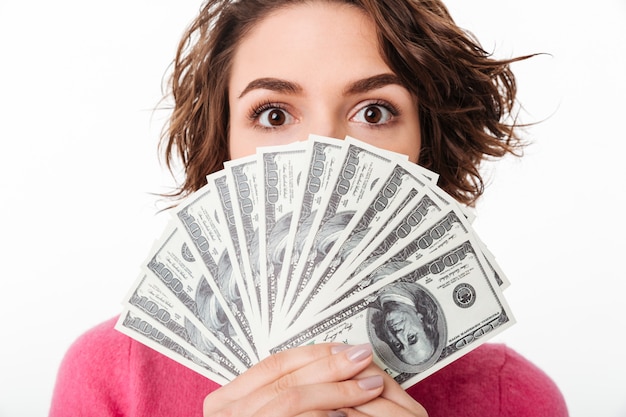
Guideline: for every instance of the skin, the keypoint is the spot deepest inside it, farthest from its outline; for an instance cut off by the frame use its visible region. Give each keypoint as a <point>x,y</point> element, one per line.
<point>406,335</point>
<point>279,93</point>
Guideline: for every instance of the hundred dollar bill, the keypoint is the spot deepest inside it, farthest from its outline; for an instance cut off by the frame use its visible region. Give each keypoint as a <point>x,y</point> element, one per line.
<point>405,182</point>
<point>227,214</point>
<point>419,318</point>
<point>322,158</point>
<point>241,177</point>
<point>132,325</point>
<point>177,265</point>
<point>362,171</point>
<point>165,312</point>
<point>281,168</point>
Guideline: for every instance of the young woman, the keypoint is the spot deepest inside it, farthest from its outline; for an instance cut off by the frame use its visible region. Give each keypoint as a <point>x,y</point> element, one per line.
<point>398,74</point>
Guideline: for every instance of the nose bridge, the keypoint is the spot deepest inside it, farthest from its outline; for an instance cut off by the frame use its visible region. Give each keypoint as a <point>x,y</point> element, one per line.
<point>326,121</point>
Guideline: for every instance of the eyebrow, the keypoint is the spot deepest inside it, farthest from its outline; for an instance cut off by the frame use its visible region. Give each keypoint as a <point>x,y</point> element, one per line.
<point>372,83</point>
<point>273,84</point>
<point>358,87</point>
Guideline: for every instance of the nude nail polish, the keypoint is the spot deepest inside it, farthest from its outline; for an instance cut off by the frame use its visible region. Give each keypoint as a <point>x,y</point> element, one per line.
<point>371,382</point>
<point>359,352</point>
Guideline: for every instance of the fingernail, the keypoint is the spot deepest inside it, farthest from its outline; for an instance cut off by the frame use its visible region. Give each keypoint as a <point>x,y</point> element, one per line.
<point>371,382</point>
<point>337,414</point>
<point>339,348</point>
<point>359,352</point>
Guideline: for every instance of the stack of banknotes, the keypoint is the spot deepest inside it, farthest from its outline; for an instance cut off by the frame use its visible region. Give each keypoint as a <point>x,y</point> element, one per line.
<point>318,241</point>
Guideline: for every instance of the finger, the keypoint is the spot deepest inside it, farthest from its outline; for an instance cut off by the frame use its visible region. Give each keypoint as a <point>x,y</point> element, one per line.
<point>393,391</point>
<point>324,396</point>
<point>345,362</point>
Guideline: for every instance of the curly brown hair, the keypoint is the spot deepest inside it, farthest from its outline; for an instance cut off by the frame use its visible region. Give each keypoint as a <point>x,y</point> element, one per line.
<point>466,97</point>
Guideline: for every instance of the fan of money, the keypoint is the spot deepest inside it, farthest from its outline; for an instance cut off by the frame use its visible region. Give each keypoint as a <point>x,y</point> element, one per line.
<point>319,241</point>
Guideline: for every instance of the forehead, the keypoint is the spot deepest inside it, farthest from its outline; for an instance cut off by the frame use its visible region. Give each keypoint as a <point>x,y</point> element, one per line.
<point>309,40</point>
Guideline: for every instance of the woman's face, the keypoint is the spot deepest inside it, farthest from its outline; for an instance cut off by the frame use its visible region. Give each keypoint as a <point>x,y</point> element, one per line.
<point>316,68</point>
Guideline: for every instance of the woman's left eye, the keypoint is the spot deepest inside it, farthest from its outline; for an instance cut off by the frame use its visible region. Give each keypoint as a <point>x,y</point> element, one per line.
<point>374,114</point>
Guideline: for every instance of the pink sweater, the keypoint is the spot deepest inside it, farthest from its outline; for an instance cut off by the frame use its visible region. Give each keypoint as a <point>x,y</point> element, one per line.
<point>106,373</point>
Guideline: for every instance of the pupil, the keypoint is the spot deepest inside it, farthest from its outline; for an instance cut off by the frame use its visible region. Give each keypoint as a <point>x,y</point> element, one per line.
<point>373,114</point>
<point>276,118</point>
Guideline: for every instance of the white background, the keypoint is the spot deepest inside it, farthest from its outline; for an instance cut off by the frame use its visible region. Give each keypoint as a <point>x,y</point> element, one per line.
<point>78,162</point>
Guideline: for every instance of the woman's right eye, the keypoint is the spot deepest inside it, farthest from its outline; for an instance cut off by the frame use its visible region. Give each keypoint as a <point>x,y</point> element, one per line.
<point>271,116</point>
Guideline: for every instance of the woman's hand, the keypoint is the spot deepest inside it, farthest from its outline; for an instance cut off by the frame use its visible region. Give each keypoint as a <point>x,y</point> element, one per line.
<point>313,380</point>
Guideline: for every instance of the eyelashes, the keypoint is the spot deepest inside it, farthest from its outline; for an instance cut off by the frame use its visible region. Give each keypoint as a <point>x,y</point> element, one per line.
<point>257,110</point>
